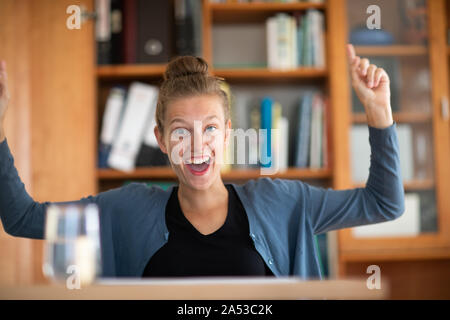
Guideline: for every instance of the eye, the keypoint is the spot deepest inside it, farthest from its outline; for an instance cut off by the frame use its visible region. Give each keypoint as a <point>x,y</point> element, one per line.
<point>210,128</point>
<point>180,132</point>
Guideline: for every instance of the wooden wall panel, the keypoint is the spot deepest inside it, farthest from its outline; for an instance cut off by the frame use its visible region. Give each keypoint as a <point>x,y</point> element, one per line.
<point>15,253</point>
<point>63,113</point>
<point>51,120</point>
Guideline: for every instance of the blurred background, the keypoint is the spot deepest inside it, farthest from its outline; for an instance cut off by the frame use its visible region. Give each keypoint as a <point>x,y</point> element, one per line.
<point>72,66</point>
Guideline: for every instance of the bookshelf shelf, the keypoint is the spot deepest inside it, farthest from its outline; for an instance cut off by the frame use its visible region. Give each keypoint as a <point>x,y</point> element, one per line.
<point>130,71</point>
<point>255,12</point>
<point>168,174</point>
<point>400,117</point>
<point>268,74</point>
<point>148,70</point>
<point>396,255</point>
<point>392,50</point>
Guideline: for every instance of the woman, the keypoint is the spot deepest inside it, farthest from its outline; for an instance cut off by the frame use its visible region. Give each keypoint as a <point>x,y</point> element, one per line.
<point>203,227</point>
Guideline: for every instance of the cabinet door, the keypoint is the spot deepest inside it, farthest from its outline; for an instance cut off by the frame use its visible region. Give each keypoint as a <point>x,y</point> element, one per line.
<point>410,45</point>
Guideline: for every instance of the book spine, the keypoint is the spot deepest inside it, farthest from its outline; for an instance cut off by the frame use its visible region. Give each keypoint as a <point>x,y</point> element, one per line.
<point>103,31</point>
<point>284,143</point>
<point>184,28</point>
<point>299,26</point>
<point>271,39</point>
<point>116,31</point>
<point>283,50</point>
<point>305,132</point>
<point>131,134</point>
<point>130,31</point>
<point>265,134</point>
<point>276,137</point>
<point>294,46</point>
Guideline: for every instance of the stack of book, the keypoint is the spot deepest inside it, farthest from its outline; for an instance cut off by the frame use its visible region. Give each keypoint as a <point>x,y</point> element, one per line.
<point>127,136</point>
<point>311,144</point>
<point>294,41</point>
<point>278,144</point>
<point>142,31</point>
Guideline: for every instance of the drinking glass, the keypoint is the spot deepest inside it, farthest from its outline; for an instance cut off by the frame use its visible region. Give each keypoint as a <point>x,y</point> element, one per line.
<point>72,247</point>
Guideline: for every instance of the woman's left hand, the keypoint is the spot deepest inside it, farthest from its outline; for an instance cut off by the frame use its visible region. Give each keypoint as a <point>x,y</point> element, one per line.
<point>372,88</point>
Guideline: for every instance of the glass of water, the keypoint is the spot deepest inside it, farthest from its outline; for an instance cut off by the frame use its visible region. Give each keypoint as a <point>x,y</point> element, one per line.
<point>72,248</point>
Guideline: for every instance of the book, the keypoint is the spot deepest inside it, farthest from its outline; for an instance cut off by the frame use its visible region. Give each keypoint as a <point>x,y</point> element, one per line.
<point>284,144</point>
<point>149,153</point>
<point>188,27</point>
<point>265,134</point>
<point>300,22</point>
<point>283,41</point>
<point>117,35</point>
<point>271,39</point>
<point>112,116</point>
<point>129,31</point>
<point>154,31</point>
<point>318,38</point>
<point>307,41</point>
<point>293,45</point>
<point>315,151</point>
<point>255,121</point>
<point>303,131</point>
<point>408,225</point>
<point>197,17</point>
<point>184,28</point>
<point>125,148</point>
<point>275,135</point>
<point>103,31</point>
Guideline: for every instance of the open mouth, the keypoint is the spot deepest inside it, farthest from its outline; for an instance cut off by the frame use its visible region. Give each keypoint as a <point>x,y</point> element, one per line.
<point>199,166</point>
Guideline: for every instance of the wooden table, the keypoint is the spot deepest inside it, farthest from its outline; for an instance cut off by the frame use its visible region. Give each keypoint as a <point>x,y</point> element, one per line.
<point>288,288</point>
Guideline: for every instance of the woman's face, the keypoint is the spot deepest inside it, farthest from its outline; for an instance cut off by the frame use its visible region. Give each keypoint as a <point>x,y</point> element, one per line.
<point>194,138</point>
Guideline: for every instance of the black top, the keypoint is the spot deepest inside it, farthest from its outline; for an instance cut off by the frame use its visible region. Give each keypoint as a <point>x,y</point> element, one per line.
<point>229,251</point>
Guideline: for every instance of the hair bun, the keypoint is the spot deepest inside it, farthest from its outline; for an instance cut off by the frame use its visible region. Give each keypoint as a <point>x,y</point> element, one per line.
<point>186,66</point>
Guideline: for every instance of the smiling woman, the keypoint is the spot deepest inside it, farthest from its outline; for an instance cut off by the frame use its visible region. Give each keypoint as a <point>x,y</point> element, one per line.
<point>203,227</point>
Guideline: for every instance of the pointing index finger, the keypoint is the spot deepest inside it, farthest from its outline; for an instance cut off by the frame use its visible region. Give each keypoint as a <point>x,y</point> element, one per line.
<point>351,53</point>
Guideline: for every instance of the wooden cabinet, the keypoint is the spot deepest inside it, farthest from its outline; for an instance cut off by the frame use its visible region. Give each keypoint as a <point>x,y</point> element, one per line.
<point>419,83</point>
<point>236,14</point>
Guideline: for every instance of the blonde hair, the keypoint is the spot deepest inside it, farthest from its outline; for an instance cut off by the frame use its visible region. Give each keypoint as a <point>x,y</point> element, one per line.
<point>188,76</point>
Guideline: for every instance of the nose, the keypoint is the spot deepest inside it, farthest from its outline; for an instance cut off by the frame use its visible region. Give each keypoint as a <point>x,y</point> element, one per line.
<point>197,142</point>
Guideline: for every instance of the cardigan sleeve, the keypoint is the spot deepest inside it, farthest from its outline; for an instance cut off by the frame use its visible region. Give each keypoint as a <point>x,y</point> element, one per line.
<point>20,215</point>
<point>382,198</point>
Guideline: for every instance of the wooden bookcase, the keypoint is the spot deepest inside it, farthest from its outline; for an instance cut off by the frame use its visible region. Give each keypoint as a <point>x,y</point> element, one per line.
<point>228,13</point>
<point>350,256</point>
<point>418,266</point>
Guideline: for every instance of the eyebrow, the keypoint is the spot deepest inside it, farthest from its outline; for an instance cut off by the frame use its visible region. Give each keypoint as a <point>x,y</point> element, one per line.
<point>178,119</point>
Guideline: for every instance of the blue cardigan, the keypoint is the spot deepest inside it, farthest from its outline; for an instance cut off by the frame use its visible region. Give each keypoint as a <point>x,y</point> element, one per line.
<point>284,215</point>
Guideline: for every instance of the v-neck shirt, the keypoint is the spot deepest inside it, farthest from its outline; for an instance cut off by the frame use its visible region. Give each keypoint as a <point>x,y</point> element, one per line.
<point>228,251</point>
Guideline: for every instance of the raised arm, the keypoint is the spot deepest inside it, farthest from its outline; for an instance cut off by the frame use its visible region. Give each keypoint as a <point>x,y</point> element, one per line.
<point>20,215</point>
<point>383,197</point>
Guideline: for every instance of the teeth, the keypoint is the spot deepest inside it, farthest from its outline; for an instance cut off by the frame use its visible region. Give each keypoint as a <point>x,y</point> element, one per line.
<point>198,160</point>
